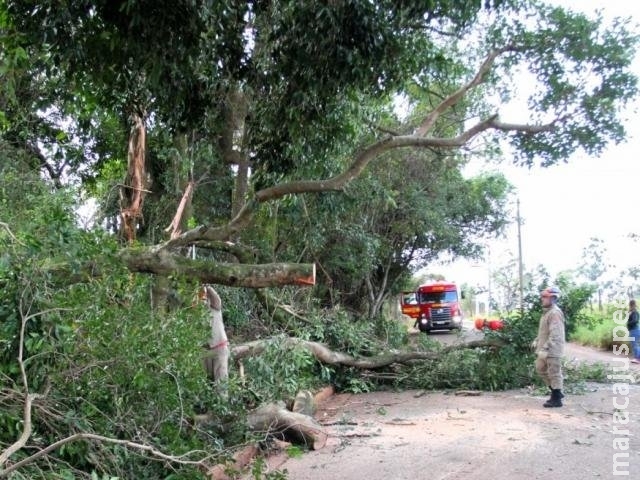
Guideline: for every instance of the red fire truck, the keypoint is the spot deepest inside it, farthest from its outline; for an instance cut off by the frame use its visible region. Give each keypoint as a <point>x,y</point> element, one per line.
<point>435,306</point>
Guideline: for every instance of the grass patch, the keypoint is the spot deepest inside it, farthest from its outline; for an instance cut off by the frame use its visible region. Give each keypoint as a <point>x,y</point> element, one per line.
<point>597,332</point>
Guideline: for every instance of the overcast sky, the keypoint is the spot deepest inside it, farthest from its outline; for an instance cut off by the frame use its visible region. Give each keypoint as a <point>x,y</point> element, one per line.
<point>564,206</point>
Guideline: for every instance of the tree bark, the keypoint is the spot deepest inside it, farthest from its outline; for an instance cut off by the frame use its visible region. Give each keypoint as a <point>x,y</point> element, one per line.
<point>293,427</point>
<point>231,141</point>
<point>175,228</point>
<point>162,262</point>
<point>135,186</point>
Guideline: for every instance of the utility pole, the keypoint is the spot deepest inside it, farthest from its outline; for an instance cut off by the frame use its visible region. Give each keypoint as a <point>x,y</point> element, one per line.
<point>520,275</point>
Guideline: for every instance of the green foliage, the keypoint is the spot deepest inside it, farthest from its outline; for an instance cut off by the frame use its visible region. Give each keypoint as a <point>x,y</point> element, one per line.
<point>418,207</point>
<point>341,331</point>
<point>281,372</point>
<point>103,361</point>
<point>483,368</point>
<point>560,49</point>
<point>391,332</point>
<point>259,471</point>
<point>598,335</point>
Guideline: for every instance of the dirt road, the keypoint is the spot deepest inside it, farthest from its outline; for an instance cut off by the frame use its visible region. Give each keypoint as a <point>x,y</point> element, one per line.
<point>434,435</point>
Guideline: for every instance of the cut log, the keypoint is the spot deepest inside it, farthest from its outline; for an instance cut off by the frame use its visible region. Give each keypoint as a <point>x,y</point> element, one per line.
<point>277,421</point>
<point>304,403</point>
<point>242,458</point>
<point>161,262</point>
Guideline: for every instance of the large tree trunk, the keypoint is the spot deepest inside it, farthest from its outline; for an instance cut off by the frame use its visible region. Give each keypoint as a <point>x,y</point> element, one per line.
<point>162,262</point>
<point>231,143</point>
<point>135,185</point>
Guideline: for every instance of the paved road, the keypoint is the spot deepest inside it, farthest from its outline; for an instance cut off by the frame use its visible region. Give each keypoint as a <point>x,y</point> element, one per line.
<point>435,435</point>
<point>449,337</point>
<point>417,435</point>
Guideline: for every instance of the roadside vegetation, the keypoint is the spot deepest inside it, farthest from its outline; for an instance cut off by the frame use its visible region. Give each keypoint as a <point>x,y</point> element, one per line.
<point>596,330</point>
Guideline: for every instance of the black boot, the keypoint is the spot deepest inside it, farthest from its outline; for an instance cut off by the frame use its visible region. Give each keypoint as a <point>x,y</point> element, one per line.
<point>551,390</point>
<point>555,400</point>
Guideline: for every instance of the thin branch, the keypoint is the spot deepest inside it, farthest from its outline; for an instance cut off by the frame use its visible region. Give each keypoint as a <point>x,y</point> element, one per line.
<point>179,390</point>
<point>180,459</point>
<point>456,96</point>
<point>6,227</point>
<point>26,432</point>
<point>29,398</point>
<point>382,129</point>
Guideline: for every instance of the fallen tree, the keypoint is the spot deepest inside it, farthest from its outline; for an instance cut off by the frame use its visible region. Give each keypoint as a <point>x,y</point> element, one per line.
<point>330,357</point>
<point>276,421</point>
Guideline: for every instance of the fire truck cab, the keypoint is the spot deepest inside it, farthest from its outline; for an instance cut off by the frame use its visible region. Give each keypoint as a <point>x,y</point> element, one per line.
<point>434,306</point>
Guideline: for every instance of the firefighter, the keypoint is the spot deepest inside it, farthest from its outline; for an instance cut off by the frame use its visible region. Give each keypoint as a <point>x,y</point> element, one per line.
<point>549,346</point>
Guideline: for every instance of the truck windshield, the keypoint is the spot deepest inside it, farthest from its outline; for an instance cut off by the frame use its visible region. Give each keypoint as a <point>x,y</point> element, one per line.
<point>438,297</point>
<point>409,299</point>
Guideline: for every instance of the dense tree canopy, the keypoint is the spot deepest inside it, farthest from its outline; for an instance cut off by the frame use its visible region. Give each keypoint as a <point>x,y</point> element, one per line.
<point>253,144</point>
<point>206,112</point>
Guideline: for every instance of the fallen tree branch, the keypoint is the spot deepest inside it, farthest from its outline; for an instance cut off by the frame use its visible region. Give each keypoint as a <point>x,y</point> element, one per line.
<point>331,357</point>
<point>181,459</point>
<point>29,398</point>
<point>468,393</point>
